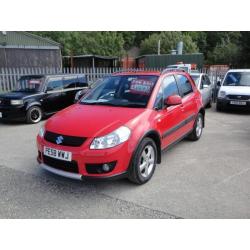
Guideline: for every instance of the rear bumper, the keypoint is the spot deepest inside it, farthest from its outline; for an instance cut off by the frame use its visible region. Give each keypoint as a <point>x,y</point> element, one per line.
<point>81,177</point>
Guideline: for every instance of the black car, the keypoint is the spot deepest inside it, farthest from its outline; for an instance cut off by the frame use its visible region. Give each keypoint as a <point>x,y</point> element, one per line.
<point>83,92</point>
<point>37,96</point>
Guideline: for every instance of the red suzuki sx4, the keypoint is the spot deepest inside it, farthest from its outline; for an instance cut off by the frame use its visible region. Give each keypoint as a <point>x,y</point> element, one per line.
<point>121,126</point>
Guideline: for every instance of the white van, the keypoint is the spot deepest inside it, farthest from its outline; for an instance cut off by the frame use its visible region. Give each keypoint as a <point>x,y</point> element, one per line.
<point>234,90</point>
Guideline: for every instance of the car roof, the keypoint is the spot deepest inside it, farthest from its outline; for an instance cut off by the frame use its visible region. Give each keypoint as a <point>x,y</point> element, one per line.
<point>53,75</point>
<point>155,73</point>
<point>196,74</point>
<point>239,70</point>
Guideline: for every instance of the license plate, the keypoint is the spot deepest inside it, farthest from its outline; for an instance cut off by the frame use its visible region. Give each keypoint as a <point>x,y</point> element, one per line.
<point>1,115</point>
<point>238,103</point>
<point>57,154</point>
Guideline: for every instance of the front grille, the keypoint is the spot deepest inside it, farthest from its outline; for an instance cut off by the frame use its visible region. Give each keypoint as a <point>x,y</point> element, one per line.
<point>64,140</point>
<point>68,166</point>
<point>239,97</point>
<point>4,102</point>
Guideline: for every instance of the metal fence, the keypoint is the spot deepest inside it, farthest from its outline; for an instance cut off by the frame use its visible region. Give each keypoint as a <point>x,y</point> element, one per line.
<point>9,76</point>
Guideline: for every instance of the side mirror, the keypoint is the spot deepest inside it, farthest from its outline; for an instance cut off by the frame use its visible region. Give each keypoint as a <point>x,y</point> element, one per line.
<point>219,83</point>
<point>173,100</point>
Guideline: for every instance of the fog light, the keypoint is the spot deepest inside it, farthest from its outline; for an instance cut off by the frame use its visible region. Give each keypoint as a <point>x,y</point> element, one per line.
<point>105,167</point>
<point>100,168</point>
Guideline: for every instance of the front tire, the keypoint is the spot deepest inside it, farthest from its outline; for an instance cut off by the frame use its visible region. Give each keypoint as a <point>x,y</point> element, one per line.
<point>219,107</point>
<point>144,162</point>
<point>197,129</point>
<point>34,115</point>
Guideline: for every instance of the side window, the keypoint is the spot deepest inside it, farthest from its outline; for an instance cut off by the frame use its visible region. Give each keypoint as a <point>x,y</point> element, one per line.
<point>55,84</point>
<point>169,87</point>
<point>69,82</point>
<point>208,82</point>
<point>203,82</point>
<point>159,99</point>
<point>184,85</point>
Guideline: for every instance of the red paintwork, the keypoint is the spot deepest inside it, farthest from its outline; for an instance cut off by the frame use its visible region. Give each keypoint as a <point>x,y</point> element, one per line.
<point>93,121</point>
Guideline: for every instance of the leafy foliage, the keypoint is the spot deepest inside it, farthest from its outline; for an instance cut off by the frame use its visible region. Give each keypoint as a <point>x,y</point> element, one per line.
<point>169,40</point>
<point>217,46</point>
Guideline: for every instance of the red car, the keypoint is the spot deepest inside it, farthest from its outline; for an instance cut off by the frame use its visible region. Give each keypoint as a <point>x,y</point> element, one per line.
<point>120,127</point>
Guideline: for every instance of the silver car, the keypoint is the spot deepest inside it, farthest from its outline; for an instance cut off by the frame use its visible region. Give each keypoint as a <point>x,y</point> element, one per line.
<point>205,86</point>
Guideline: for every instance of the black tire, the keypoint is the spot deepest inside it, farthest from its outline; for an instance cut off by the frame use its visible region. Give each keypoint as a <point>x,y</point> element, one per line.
<point>194,135</point>
<point>34,115</point>
<point>134,172</point>
<point>209,105</point>
<point>219,107</point>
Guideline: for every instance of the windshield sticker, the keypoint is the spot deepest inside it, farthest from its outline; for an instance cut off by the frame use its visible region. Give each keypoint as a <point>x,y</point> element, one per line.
<point>35,81</point>
<point>141,86</point>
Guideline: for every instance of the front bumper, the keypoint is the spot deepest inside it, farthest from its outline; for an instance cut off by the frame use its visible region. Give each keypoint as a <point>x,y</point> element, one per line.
<point>13,112</point>
<point>225,103</point>
<point>83,156</point>
<point>82,177</point>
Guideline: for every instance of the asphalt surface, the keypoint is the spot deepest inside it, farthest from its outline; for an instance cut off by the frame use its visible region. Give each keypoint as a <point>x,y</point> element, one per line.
<point>209,178</point>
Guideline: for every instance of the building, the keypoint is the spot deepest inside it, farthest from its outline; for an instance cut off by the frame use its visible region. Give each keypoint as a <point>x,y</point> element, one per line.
<point>162,61</point>
<point>23,49</point>
<point>90,61</point>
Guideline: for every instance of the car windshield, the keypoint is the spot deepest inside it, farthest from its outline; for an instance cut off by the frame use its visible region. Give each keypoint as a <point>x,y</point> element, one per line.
<point>30,84</point>
<point>122,91</point>
<point>237,79</point>
<point>196,79</point>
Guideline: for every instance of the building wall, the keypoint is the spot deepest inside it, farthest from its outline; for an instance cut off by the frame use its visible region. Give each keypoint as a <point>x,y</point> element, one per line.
<point>10,57</point>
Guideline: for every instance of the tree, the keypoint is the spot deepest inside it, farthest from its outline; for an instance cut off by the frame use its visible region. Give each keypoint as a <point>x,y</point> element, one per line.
<point>225,52</point>
<point>169,40</point>
<point>81,42</point>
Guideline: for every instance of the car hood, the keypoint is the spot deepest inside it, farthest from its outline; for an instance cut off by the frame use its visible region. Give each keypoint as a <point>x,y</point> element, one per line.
<point>15,95</point>
<point>91,120</point>
<point>236,90</point>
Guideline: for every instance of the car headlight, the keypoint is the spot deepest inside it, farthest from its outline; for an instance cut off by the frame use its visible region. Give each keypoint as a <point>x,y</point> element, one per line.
<point>111,140</point>
<point>16,102</point>
<point>42,132</point>
<point>222,94</point>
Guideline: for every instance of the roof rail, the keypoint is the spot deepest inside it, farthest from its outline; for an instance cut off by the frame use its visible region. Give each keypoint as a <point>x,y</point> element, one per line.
<point>172,70</point>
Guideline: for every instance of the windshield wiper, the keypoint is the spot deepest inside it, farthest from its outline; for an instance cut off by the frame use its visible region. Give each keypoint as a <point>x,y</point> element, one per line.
<point>99,103</point>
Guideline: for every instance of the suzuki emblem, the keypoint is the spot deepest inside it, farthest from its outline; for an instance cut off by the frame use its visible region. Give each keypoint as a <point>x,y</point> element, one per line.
<point>59,139</point>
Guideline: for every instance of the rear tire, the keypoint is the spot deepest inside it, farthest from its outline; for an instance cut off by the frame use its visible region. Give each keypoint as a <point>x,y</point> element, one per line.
<point>209,105</point>
<point>144,162</point>
<point>197,129</point>
<point>34,115</point>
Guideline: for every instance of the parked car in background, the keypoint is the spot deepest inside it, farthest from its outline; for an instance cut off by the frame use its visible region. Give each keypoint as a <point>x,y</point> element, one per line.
<point>205,86</point>
<point>37,96</point>
<point>234,90</point>
<point>120,127</point>
<point>84,91</point>
<point>186,67</point>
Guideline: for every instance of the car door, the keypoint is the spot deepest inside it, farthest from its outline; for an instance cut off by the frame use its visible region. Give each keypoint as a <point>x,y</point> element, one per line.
<point>169,119</point>
<point>188,101</point>
<point>69,90</point>
<point>210,88</point>
<point>204,90</point>
<point>52,100</point>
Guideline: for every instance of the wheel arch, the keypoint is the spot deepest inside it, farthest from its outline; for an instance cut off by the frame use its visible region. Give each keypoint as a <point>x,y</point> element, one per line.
<point>155,136</point>
<point>31,104</point>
